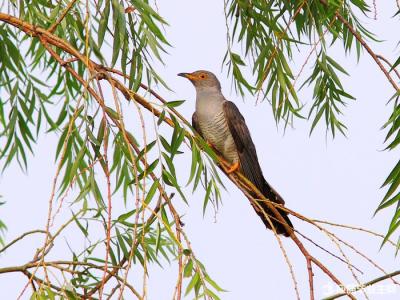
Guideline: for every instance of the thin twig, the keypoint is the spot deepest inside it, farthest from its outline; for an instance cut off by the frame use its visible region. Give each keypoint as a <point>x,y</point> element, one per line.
<point>366,47</point>
<point>109,200</point>
<point>375,10</point>
<point>62,16</point>
<point>356,228</point>
<point>310,279</point>
<point>279,218</point>
<point>327,251</point>
<point>314,48</point>
<point>113,291</point>
<point>20,238</point>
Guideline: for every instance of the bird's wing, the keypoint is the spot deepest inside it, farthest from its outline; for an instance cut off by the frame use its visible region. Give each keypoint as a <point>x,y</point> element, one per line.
<point>195,124</point>
<point>249,164</point>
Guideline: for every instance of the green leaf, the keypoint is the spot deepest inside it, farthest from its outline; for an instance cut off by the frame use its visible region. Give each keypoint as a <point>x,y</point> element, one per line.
<point>176,103</point>
<point>158,240</point>
<point>213,283</point>
<point>336,65</point>
<point>187,271</point>
<point>397,62</point>
<point>152,191</point>
<point>195,161</point>
<point>207,196</point>
<point>119,19</point>
<point>316,119</point>
<point>192,283</point>
<point>103,23</point>
<point>126,216</point>
<point>161,118</point>
<point>80,226</point>
<point>121,243</point>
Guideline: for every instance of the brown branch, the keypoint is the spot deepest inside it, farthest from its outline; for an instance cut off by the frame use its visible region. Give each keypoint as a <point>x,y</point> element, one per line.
<point>356,228</point>
<point>244,184</point>
<point>312,222</point>
<point>145,87</point>
<point>366,47</point>
<point>327,251</point>
<point>42,282</point>
<point>24,269</point>
<point>366,258</point>
<point>259,208</point>
<point>369,50</point>
<point>21,237</point>
<point>310,279</point>
<point>109,201</point>
<point>113,291</point>
<point>32,282</point>
<point>64,13</point>
<point>375,10</point>
<point>38,255</point>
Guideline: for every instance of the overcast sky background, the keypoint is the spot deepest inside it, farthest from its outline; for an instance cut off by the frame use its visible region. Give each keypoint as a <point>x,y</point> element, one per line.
<point>336,180</point>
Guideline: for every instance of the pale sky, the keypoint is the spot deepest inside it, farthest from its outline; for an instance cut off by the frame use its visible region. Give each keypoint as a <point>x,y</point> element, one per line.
<point>335,180</point>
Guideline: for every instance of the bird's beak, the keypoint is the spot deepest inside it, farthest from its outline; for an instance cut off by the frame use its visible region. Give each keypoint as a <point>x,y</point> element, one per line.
<point>188,76</point>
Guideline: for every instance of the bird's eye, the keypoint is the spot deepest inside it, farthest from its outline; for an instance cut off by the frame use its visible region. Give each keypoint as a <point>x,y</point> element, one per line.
<point>202,76</point>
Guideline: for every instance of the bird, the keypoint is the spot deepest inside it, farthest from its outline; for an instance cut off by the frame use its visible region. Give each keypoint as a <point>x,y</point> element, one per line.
<point>220,123</point>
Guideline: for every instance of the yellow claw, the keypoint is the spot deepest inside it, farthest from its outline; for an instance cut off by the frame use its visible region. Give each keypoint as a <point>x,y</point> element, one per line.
<point>233,168</point>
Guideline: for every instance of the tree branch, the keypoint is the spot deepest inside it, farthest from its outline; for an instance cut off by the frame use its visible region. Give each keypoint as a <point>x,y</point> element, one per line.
<point>366,47</point>
<point>21,237</point>
<point>64,13</point>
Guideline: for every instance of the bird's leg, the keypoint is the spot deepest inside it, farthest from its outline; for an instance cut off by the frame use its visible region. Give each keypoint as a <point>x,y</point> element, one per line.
<point>233,168</point>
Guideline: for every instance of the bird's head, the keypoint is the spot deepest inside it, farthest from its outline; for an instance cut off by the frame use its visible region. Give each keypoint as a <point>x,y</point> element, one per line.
<point>202,79</point>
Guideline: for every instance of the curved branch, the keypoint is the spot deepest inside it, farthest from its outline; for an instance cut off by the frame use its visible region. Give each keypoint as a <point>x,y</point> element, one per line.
<point>366,47</point>
<point>21,237</point>
<point>64,13</point>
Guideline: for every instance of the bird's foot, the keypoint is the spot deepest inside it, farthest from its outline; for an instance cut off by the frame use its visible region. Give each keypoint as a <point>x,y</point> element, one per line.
<point>233,168</point>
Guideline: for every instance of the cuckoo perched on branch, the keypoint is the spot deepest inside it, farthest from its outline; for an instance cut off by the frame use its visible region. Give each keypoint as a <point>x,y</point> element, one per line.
<point>220,123</point>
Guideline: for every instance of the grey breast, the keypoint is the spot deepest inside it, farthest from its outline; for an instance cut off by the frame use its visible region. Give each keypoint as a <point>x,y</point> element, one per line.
<point>215,130</point>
